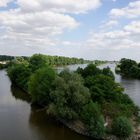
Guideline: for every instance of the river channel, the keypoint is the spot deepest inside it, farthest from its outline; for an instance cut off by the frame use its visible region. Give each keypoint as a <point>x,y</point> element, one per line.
<point>20,121</point>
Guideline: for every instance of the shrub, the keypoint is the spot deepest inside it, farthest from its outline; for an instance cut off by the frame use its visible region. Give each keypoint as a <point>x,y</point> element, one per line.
<point>92,117</point>
<point>121,127</point>
<point>19,74</point>
<point>96,127</point>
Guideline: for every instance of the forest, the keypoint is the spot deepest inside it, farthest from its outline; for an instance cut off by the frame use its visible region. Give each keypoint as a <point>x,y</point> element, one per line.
<point>89,99</point>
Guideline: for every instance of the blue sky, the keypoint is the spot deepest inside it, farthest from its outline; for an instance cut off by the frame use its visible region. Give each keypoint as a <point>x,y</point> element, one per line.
<point>91,29</point>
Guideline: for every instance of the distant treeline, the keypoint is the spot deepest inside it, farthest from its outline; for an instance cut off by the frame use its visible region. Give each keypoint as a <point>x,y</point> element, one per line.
<point>6,58</point>
<point>51,60</point>
<point>129,68</point>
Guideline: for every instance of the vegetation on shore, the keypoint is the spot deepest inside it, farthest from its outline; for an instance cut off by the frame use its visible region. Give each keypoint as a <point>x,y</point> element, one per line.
<point>89,96</point>
<point>49,60</point>
<point>128,68</point>
<point>6,58</point>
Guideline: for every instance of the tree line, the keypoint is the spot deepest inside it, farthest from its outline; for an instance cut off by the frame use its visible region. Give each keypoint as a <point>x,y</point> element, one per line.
<point>88,97</point>
<point>6,58</point>
<point>51,60</point>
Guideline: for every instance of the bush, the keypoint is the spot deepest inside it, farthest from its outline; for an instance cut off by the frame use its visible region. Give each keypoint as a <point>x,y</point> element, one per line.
<point>103,88</point>
<point>92,117</point>
<point>19,74</point>
<point>121,127</point>
<point>96,127</point>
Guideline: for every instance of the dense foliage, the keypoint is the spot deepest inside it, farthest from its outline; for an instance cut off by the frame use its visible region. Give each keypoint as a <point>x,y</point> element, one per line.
<point>68,95</point>
<point>88,95</point>
<point>121,127</point>
<point>129,68</point>
<point>19,74</point>
<point>40,84</point>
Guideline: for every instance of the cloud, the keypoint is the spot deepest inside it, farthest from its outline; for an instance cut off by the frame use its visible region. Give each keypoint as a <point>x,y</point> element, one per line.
<point>109,24</point>
<point>133,27</point>
<point>63,6</point>
<point>120,41</point>
<point>33,23</point>
<point>30,29</point>
<point>130,11</point>
<point>112,23</point>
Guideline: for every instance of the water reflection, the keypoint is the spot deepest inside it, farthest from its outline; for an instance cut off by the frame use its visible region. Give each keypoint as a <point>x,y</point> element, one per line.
<point>19,94</point>
<point>50,129</point>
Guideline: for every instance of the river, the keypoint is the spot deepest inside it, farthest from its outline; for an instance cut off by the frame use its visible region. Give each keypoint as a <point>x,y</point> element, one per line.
<point>19,121</point>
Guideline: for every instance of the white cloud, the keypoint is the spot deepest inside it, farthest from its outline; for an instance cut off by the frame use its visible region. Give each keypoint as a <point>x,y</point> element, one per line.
<point>63,6</point>
<point>121,40</point>
<point>109,24</point>
<point>112,23</point>
<point>30,29</point>
<point>33,23</point>
<point>130,11</point>
<point>133,27</point>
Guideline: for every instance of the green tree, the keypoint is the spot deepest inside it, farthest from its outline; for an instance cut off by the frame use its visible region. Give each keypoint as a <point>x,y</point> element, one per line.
<point>125,66</point>
<point>40,85</point>
<point>37,61</point>
<point>68,95</point>
<point>108,72</point>
<point>91,70</point>
<point>103,88</point>
<point>19,74</point>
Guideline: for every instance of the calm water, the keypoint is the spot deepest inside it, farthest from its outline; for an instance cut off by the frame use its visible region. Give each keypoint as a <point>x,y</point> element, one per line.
<point>18,121</point>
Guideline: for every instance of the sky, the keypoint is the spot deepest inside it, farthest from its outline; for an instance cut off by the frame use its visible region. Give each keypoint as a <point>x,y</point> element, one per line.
<point>89,29</point>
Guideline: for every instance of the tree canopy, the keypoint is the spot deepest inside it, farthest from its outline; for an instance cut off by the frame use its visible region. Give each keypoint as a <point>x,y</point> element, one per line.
<point>129,68</point>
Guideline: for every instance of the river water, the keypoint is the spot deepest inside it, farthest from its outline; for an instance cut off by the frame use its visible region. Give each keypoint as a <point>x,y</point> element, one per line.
<point>18,121</point>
